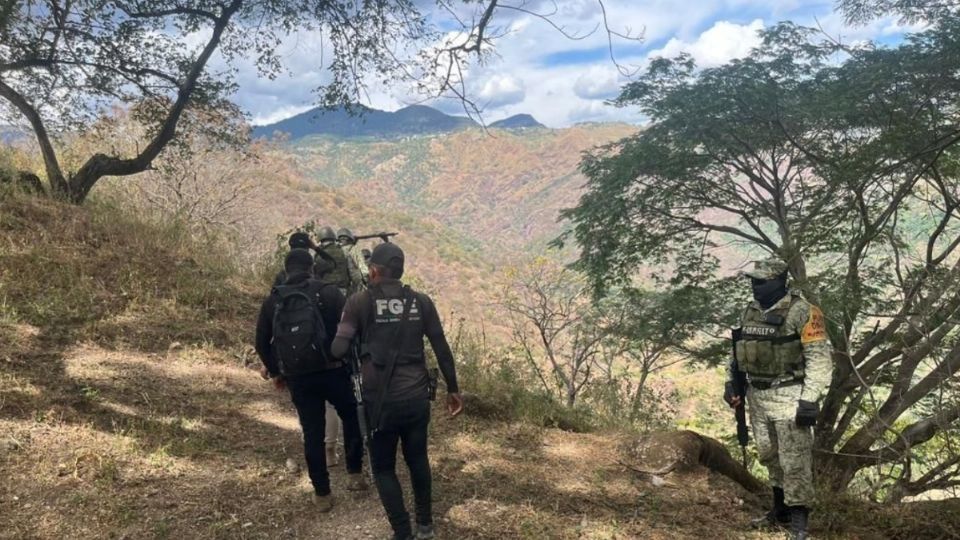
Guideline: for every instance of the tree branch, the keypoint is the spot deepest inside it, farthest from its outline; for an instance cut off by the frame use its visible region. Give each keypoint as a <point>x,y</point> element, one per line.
<point>54,173</point>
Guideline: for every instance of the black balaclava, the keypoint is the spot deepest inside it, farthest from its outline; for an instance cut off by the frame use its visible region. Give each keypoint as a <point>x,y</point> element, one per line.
<point>768,292</point>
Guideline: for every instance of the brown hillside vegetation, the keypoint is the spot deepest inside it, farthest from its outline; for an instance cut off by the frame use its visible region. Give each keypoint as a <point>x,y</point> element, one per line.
<point>283,199</point>
<point>128,409</point>
<point>498,185</point>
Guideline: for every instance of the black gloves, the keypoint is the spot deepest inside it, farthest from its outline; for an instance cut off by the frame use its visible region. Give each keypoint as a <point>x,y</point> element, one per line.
<point>728,393</point>
<point>807,412</point>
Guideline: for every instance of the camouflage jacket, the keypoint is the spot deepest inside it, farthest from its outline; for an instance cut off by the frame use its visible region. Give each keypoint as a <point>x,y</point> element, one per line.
<point>807,321</point>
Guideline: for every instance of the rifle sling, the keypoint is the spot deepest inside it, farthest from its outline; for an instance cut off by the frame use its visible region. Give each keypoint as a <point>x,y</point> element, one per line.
<point>392,363</point>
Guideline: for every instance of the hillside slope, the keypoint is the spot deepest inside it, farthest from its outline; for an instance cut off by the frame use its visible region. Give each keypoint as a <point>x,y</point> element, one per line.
<point>500,186</point>
<point>440,260</point>
<point>130,408</point>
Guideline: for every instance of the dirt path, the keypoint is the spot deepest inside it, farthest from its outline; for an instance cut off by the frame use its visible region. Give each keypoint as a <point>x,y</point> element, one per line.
<point>181,445</point>
<point>188,444</point>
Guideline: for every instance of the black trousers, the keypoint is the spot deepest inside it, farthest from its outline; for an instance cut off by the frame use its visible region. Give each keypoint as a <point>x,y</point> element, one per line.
<point>405,423</point>
<point>310,393</point>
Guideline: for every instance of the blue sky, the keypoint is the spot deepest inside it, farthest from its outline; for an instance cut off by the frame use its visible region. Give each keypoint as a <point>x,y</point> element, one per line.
<point>560,81</point>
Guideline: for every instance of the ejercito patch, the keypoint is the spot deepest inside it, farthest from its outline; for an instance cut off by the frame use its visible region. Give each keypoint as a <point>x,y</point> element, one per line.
<point>816,327</point>
<point>764,331</point>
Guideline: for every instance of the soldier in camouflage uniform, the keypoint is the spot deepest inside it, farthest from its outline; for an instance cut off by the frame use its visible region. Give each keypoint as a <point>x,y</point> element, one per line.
<point>784,351</point>
<point>345,274</point>
<point>349,244</point>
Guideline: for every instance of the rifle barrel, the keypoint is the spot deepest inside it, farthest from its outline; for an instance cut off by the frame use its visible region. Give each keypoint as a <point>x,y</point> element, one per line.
<point>357,379</point>
<point>383,235</point>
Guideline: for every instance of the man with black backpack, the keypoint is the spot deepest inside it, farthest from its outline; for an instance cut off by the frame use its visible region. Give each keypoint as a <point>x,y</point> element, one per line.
<point>294,345</point>
<point>391,320</point>
<point>323,265</point>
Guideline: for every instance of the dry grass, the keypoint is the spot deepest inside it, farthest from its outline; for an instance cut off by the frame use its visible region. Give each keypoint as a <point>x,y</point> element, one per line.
<point>130,445</point>
<point>191,444</point>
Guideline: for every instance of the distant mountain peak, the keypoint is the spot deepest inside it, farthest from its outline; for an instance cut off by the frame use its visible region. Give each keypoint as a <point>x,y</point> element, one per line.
<point>517,121</point>
<point>370,123</point>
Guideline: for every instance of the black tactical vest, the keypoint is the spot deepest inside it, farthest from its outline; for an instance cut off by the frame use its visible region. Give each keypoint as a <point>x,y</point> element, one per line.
<point>768,351</point>
<point>382,342</point>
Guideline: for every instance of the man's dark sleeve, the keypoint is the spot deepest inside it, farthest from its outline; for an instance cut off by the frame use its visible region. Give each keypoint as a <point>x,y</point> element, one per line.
<point>265,336</point>
<point>333,301</point>
<point>438,341</point>
<point>349,325</point>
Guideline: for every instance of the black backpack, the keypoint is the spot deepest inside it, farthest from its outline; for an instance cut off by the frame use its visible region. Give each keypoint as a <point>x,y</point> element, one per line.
<point>298,331</point>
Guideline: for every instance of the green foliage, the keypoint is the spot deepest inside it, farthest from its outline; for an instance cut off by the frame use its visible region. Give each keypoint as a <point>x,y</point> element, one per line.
<point>909,11</point>
<point>841,160</point>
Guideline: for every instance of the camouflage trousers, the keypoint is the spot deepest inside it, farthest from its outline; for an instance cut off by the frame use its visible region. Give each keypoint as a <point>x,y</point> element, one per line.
<point>785,449</point>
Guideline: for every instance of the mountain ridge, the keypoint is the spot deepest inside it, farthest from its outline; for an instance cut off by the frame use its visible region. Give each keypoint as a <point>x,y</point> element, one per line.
<point>517,121</point>
<point>362,122</point>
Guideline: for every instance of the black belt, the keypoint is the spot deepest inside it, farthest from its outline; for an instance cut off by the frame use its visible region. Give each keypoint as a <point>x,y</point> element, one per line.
<point>764,385</point>
<point>330,366</point>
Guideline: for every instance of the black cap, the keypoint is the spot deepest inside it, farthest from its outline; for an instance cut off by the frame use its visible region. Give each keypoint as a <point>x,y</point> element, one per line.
<point>389,255</point>
<point>299,240</point>
<point>298,259</point>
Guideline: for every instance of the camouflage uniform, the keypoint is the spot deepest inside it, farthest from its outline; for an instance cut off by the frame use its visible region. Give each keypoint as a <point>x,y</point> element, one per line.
<point>359,272</point>
<point>345,274</point>
<point>801,349</point>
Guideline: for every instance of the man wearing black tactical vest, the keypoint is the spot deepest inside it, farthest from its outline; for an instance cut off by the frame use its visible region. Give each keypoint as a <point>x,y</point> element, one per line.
<point>391,320</point>
<point>316,377</point>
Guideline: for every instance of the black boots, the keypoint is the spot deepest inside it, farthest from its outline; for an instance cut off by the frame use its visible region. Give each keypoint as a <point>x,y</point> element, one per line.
<point>799,515</point>
<point>780,514</point>
<point>780,511</point>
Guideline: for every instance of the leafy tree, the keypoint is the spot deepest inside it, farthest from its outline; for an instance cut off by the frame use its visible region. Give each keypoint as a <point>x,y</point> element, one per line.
<point>911,11</point>
<point>652,331</point>
<point>843,162</point>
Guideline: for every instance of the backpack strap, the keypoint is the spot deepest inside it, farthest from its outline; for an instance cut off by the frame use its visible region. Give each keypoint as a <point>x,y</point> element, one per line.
<point>408,297</point>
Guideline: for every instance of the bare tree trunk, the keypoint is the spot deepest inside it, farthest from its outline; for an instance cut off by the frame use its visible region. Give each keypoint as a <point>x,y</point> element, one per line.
<point>637,400</point>
<point>664,452</point>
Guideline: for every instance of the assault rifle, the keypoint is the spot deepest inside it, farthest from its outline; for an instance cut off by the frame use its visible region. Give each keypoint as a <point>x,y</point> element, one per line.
<point>740,389</point>
<point>356,378</point>
<point>385,236</point>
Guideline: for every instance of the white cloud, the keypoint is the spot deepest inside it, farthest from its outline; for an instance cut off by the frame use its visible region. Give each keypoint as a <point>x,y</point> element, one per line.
<point>598,82</point>
<point>723,42</point>
<point>275,115</point>
<point>500,90</point>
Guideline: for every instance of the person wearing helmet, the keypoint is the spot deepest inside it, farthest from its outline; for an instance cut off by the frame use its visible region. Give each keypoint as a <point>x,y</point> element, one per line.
<point>349,244</point>
<point>345,275</point>
<point>783,347</point>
